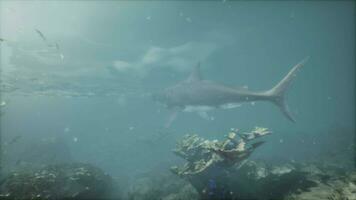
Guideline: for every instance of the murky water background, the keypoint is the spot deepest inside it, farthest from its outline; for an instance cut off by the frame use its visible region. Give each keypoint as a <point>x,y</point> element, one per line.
<point>86,82</point>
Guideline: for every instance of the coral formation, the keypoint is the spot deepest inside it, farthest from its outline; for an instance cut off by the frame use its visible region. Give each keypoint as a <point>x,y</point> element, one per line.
<point>220,170</point>
<point>209,161</point>
<point>257,180</point>
<point>62,181</point>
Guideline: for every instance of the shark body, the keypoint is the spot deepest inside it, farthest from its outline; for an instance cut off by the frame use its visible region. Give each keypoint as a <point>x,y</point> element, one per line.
<point>197,94</point>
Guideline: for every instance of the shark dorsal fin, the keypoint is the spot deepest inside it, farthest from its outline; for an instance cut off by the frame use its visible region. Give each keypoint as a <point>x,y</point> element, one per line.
<point>196,74</point>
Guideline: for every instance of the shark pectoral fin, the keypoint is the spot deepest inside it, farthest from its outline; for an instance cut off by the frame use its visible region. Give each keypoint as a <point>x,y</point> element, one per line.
<point>173,115</point>
<point>206,116</point>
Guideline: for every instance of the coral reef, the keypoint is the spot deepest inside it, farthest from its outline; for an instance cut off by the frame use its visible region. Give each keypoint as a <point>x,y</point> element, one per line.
<point>209,161</point>
<point>256,180</point>
<point>220,170</point>
<point>62,181</point>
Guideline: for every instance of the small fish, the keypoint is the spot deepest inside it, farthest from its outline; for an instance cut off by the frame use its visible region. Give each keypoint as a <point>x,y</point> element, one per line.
<point>41,35</point>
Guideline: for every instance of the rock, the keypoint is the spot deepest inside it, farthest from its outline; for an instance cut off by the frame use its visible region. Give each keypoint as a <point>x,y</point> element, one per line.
<point>69,181</point>
<point>284,169</point>
<point>336,188</point>
<point>163,186</point>
<point>258,180</point>
<point>187,192</point>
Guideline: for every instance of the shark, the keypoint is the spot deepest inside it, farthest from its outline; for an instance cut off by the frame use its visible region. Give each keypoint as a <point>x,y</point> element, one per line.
<point>196,94</point>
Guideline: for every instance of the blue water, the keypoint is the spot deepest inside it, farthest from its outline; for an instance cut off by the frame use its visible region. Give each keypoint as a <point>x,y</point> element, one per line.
<point>93,92</point>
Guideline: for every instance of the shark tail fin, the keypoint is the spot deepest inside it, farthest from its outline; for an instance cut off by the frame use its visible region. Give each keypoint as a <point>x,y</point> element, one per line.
<point>277,93</point>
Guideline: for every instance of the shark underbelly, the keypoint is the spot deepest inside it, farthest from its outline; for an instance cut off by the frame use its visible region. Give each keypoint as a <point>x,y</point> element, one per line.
<point>217,99</point>
<point>206,108</point>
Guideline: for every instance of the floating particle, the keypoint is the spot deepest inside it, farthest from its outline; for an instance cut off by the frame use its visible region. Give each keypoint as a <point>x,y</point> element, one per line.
<point>131,128</point>
<point>281,140</point>
<point>3,103</point>
<point>181,14</point>
<point>188,19</point>
<point>66,130</point>
<point>253,103</point>
<point>148,17</point>
<point>75,139</point>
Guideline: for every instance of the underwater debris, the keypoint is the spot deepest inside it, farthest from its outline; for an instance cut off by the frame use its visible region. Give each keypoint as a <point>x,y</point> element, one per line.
<point>63,181</point>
